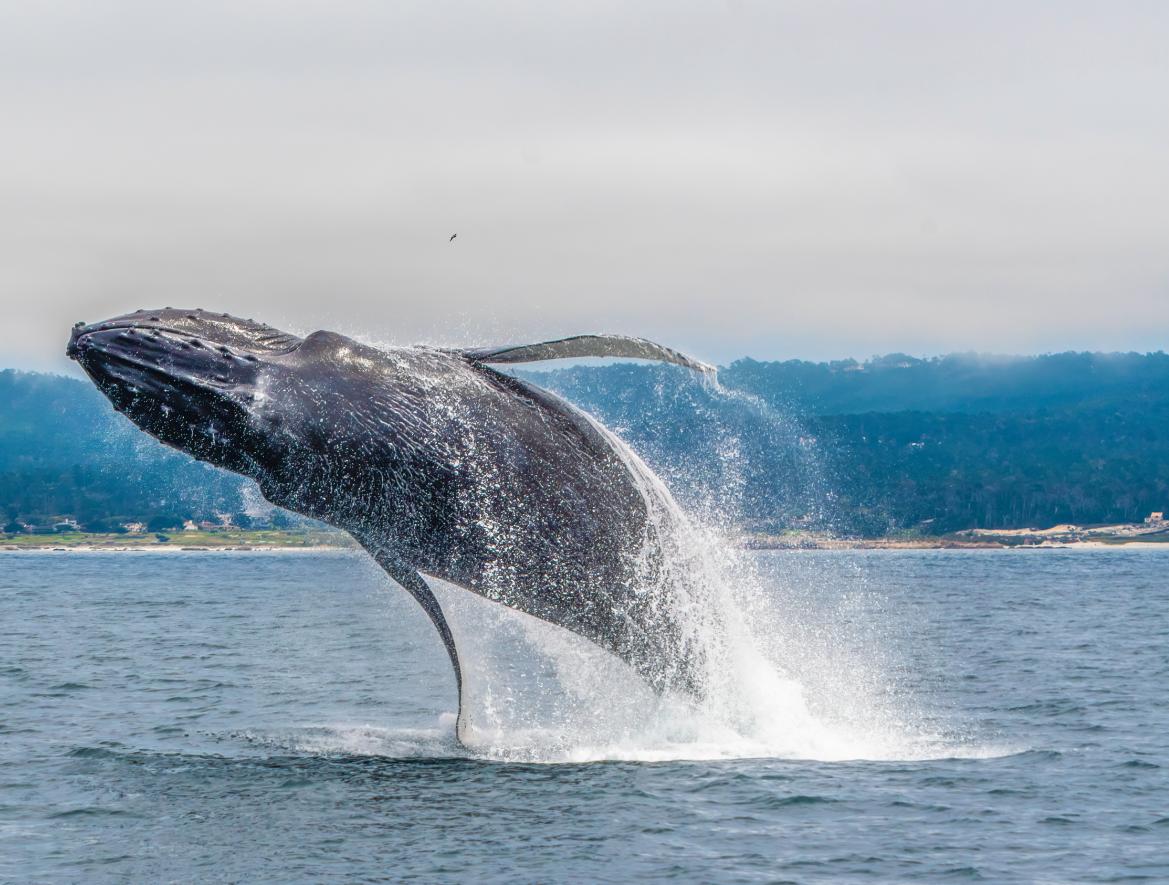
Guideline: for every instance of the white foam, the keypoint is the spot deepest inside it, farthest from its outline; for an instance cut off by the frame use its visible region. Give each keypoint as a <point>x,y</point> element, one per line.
<point>783,678</point>
<point>662,741</point>
<point>537,693</point>
<point>788,673</point>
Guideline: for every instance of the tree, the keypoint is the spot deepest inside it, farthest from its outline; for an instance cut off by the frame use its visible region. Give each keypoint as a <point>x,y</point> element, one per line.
<point>161,522</point>
<point>105,526</point>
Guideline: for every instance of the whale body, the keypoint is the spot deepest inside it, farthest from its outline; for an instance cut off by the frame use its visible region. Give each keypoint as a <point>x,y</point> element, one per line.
<point>436,463</point>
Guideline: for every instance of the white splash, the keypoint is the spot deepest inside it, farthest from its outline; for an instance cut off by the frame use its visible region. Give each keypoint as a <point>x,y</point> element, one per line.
<point>537,693</point>
<point>781,681</point>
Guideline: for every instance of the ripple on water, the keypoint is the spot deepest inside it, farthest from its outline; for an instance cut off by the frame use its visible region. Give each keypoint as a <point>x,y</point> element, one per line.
<point>321,750</point>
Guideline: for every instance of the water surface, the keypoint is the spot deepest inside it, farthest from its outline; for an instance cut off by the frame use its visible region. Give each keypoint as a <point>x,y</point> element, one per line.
<point>288,717</point>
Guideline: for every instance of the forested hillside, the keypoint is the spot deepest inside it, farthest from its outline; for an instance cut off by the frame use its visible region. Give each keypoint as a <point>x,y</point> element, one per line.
<point>898,443</point>
<point>900,383</point>
<point>64,452</point>
<point>893,444</point>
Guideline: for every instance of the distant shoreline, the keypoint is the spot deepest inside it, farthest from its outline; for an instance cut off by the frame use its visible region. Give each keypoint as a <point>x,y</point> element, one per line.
<point>282,541</point>
<point>944,544</point>
<point>224,541</point>
<point>950,542</point>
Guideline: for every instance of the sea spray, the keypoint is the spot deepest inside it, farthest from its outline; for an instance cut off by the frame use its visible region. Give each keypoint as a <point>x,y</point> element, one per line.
<point>540,693</point>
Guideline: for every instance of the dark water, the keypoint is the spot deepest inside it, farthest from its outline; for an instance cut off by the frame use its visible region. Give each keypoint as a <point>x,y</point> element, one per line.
<point>283,718</point>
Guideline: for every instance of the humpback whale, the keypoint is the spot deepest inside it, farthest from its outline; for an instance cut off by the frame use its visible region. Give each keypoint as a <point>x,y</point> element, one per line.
<point>436,463</point>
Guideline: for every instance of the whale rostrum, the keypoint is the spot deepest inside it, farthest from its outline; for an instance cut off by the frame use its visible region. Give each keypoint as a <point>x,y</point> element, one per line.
<point>437,464</point>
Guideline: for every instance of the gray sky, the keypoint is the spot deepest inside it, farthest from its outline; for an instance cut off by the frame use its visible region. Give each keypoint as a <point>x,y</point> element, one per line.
<point>781,179</point>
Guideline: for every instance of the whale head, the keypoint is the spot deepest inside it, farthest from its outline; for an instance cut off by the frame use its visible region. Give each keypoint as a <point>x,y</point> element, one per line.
<point>203,383</point>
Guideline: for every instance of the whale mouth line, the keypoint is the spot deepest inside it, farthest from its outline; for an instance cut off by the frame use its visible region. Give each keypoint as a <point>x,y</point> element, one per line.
<point>101,361</point>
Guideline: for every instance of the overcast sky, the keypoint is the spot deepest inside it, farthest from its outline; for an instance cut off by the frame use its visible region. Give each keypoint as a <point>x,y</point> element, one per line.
<point>781,179</point>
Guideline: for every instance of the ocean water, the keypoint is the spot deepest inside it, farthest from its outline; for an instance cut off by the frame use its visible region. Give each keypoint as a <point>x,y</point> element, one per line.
<point>284,717</point>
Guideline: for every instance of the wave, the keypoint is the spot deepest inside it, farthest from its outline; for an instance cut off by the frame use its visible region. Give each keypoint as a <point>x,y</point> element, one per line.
<point>542,746</point>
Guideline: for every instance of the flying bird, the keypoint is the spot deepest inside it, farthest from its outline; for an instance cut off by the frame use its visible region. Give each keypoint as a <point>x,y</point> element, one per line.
<point>452,237</point>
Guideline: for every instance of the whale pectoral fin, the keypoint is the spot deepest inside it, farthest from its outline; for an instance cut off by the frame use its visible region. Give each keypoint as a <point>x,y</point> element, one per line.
<point>619,346</point>
<point>416,586</point>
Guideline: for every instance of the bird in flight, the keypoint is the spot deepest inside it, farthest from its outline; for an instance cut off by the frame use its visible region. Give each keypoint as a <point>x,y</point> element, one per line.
<point>452,237</point>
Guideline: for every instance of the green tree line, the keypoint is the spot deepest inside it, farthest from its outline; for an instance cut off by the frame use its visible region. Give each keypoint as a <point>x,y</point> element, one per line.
<point>888,445</point>
<point>64,452</point>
